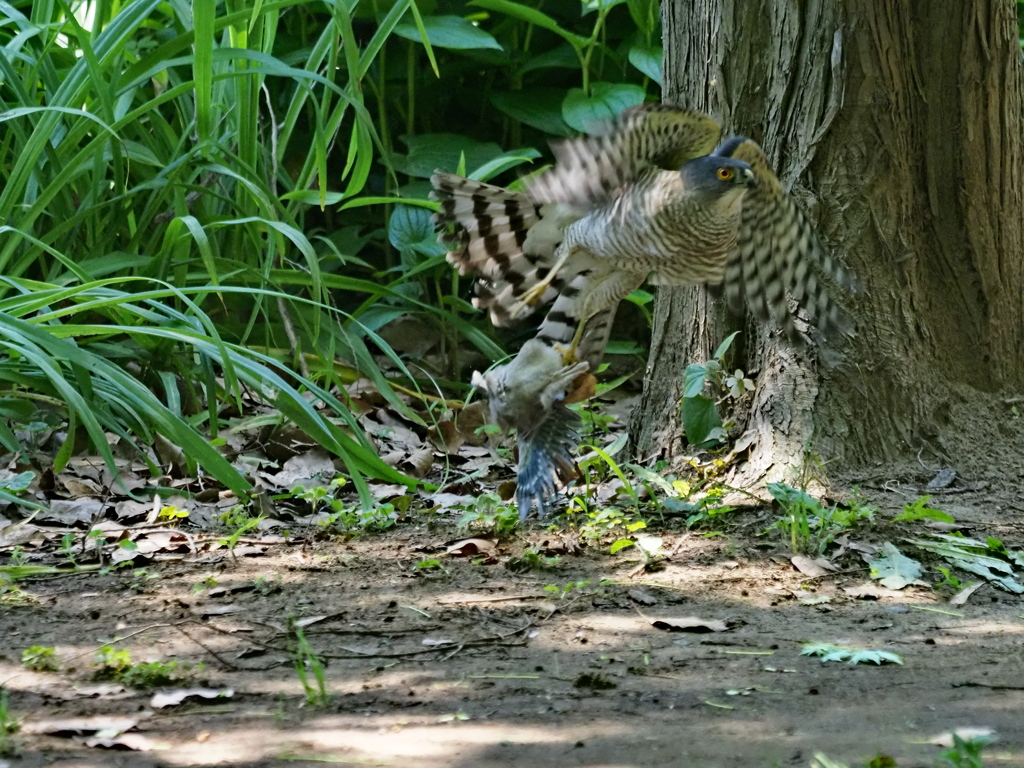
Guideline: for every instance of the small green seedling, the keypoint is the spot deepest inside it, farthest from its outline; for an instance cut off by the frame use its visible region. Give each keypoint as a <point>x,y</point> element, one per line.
<point>307,663</point>
<point>39,658</point>
<point>807,524</point>
<point>562,592</point>
<point>966,753</point>
<point>919,510</point>
<point>8,727</point>
<point>490,516</point>
<point>533,560</point>
<point>117,665</point>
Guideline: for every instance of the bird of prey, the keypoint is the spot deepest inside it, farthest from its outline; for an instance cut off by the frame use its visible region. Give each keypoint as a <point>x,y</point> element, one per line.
<point>652,197</point>
<point>530,394</point>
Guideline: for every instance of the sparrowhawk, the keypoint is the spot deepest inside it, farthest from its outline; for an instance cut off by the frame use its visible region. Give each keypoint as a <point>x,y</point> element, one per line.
<point>653,197</point>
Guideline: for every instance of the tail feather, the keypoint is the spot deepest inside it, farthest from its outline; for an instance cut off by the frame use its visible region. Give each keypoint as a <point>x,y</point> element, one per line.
<point>493,233</point>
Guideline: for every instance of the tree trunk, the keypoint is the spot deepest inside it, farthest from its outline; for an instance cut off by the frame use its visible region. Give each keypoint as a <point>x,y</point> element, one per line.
<point>898,127</point>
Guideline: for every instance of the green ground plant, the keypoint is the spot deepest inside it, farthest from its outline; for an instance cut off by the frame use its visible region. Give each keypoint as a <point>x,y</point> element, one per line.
<point>116,664</point>
<point>809,526</point>
<point>39,658</point>
<point>490,516</point>
<point>8,727</point>
<point>308,667</point>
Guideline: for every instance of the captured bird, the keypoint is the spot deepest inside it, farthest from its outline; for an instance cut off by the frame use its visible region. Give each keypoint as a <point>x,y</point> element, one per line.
<point>653,197</point>
<point>530,394</point>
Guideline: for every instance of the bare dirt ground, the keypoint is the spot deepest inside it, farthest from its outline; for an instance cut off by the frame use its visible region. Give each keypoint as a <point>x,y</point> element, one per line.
<point>477,665</point>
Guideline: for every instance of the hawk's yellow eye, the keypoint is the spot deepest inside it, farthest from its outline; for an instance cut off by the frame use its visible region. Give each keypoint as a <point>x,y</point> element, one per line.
<point>725,173</point>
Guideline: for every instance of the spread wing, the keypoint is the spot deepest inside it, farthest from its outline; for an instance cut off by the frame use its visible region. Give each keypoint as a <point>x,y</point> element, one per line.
<point>590,169</point>
<point>778,250</point>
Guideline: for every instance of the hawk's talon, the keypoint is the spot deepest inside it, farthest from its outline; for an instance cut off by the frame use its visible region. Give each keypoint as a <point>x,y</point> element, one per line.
<point>568,352</point>
<point>530,298</point>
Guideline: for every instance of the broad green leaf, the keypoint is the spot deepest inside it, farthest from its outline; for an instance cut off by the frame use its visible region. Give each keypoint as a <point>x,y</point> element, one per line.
<point>651,477</point>
<point>620,544</point>
<point>605,102</point>
<point>429,152</point>
<point>452,32</point>
<point>648,61</point>
<point>540,108</point>
<point>411,230</point>
<point>646,14</point>
<point>563,57</point>
<point>700,417</point>
<point>589,6</point>
<point>919,510</point>
<point>18,483</point>
<point>724,346</point>
<point>787,496</point>
<point>694,378</point>
<point>531,16</point>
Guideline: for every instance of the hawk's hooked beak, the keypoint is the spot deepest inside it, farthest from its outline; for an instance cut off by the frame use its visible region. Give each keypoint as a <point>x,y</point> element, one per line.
<point>748,177</point>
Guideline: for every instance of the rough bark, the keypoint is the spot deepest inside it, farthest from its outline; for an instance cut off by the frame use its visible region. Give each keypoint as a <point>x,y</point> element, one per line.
<point>898,126</point>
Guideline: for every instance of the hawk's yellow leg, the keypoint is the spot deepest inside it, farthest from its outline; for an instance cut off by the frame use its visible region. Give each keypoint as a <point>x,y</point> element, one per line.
<point>536,293</point>
<point>569,353</point>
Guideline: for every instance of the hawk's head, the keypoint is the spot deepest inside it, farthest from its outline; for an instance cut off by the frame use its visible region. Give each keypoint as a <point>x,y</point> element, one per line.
<point>716,176</point>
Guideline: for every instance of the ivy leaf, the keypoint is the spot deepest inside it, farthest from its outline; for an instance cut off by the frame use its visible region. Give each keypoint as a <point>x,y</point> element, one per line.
<point>452,32</point>
<point>607,100</point>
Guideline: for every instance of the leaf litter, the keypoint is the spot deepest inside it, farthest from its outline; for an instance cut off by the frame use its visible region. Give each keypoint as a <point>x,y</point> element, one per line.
<point>181,531</point>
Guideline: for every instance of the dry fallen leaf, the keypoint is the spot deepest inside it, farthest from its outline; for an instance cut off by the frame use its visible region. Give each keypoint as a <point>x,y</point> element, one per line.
<point>965,734</point>
<point>163,699</point>
<point>811,598</point>
<point>961,597</point>
<point>469,547</point>
<point>871,592</point>
<point>78,726</point>
<point>583,387</point>
<point>131,741</point>
<point>418,463</point>
<point>432,642</point>
<point>639,596</point>
<point>690,624</point>
<point>814,568</point>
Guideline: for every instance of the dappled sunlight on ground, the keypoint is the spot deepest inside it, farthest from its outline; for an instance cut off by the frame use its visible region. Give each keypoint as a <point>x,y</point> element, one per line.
<point>477,666</point>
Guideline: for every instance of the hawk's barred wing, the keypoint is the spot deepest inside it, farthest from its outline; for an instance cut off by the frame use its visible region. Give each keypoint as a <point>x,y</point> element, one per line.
<point>499,236</point>
<point>590,169</point>
<point>777,250</point>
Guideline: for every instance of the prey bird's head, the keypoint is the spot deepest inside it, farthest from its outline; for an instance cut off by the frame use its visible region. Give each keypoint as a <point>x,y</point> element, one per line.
<point>717,176</point>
